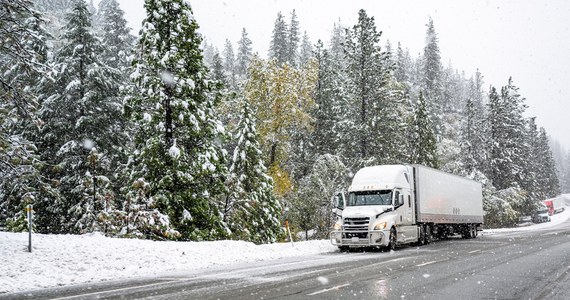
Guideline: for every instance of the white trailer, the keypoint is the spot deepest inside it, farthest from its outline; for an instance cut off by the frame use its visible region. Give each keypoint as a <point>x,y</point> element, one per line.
<point>397,204</point>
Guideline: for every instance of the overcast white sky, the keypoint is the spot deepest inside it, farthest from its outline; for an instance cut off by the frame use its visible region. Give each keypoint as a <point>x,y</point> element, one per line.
<point>528,40</point>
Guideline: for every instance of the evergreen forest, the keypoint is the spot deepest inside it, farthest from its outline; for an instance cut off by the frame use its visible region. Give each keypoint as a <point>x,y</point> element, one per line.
<point>160,135</point>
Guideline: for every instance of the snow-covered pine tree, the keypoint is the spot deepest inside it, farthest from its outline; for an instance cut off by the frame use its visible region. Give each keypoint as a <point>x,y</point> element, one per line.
<point>470,140</point>
<point>293,39</point>
<point>178,150</point>
<point>374,107</point>
<point>95,207</point>
<point>423,137</point>
<point>230,64</point>
<point>528,179</point>
<point>252,211</point>
<point>403,65</point>
<point>432,76</point>
<point>548,182</point>
<point>80,112</point>
<point>23,56</point>
<point>565,186</point>
<point>337,41</point>
<point>506,127</point>
<point>306,50</point>
<point>244,54</point>
<point>329,127</point>
<point>115,35</point>
<point>279,45</point>
<point>209,51</point>
<point>217,69</point>
<point>118,44</point>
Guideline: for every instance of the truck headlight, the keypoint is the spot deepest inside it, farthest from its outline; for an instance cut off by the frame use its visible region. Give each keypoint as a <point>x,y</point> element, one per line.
<point>380,226</point>
<point>337,226</point>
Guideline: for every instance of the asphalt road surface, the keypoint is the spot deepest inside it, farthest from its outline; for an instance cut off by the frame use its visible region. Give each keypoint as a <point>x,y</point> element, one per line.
<point>517,265</point>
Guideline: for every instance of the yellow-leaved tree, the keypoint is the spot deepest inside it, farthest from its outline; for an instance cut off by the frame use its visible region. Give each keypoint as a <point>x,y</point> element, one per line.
<point>281,97</point>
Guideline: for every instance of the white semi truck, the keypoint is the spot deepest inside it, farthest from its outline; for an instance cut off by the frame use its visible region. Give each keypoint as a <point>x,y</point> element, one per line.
<point>391,205</point>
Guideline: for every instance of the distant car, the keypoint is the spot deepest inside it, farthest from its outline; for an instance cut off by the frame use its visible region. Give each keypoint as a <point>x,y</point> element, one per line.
<point>525,220</point>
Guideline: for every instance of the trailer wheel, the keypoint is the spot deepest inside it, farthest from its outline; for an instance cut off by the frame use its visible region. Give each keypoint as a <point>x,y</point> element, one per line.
<point>467,231</point>
<point>393,239</point>
<point>428,235</point>
<point>473,231</point>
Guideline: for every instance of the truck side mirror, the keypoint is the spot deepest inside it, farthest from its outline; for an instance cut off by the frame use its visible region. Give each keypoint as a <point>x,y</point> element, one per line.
<point>338,204</point>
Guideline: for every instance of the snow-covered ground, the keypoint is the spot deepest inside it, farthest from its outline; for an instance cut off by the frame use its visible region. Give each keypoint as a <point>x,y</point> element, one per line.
<point>58,260</point>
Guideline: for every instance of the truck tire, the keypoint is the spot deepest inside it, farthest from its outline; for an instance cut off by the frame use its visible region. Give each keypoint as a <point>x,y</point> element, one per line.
<point>428,234</point>
<point>467,231</point>
<point>393,239</point>
<point>343,248</point>
<point>474,231</point>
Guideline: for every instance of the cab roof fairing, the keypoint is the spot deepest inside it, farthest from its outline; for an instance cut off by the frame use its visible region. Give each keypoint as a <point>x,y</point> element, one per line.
<point>381,178</point>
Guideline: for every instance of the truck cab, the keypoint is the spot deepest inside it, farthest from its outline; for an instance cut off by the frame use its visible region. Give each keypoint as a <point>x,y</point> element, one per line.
<point>377,210</point>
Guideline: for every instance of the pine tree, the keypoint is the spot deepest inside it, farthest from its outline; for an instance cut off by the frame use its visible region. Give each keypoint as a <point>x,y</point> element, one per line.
<point>329,99</point>
<point>306,50</point>
<point>209,51</point>
<point>432,76</point>
<point>472,152</point>
<point>375,107</point>
<point>337,41</point>
<point>251,210</point>
<point>548,183</point>
<point>423,137</point>
<point>244,54</point>
<point>229,63</point>
<point>565,186</point>
<point>403,65</point>
<point>178,151</point>
<point>217,67</point>
<point>506,136</point>
<point>116,38</point>
<point>80,112</point>
<point>293,39</point>
<point>278,48</point>
<point>23,57</point>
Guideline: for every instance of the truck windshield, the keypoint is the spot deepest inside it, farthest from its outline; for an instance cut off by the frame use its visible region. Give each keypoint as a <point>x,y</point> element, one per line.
<point>383,197</point>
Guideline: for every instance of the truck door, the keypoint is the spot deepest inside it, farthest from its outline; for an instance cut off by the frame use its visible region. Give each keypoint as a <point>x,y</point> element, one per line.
<point>409,210</point>
<point>405,210</point>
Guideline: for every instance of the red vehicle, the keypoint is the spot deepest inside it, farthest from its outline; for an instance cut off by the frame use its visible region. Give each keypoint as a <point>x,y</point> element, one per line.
<point>554,205</point>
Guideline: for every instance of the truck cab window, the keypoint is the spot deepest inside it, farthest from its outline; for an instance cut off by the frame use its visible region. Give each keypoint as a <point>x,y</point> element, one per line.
<point>382,197</point>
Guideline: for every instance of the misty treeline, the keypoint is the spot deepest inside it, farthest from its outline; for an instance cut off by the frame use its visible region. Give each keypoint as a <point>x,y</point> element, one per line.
<point>162,136</point>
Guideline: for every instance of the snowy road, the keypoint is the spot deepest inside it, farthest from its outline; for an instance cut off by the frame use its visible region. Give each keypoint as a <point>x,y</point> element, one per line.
<point>510,264</point>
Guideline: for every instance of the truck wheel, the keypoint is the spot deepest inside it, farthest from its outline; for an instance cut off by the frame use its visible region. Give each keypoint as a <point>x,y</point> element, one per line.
<point>467,231</point>
<point>428,235</point>
<point>343,248</point>
<point>393,239</point>
<point>474,231</point>
<point>422,237</point>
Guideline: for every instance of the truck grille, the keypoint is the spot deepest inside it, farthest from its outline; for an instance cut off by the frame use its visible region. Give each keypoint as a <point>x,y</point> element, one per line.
<point>355,227</point>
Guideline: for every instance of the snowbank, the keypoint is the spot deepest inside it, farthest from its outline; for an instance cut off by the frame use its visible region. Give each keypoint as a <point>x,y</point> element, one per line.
<point>58,260</point>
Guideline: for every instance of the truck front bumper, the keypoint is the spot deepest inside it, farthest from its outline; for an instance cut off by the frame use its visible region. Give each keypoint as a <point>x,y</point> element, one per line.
<point>373,238</point>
